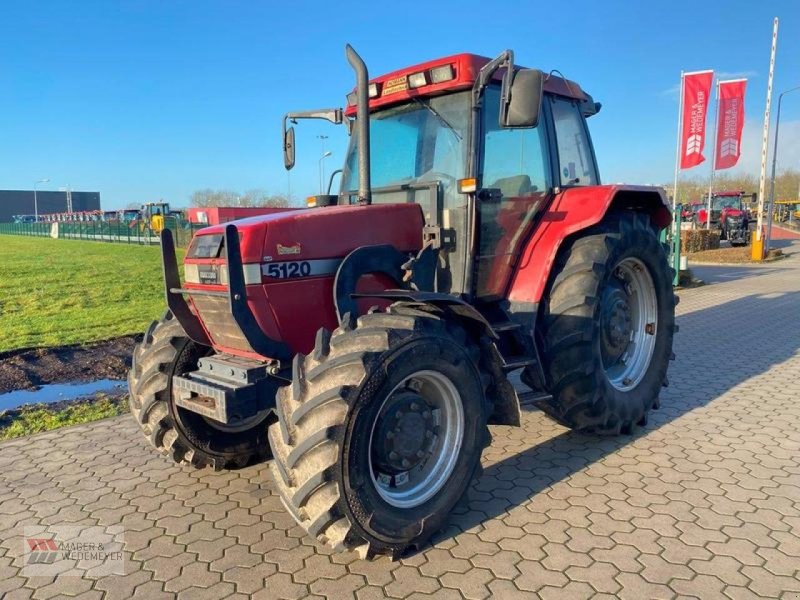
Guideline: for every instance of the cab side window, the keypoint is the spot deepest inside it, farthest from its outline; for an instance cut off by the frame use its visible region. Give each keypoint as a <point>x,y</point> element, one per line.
<point>576,165</point>
<point>514,160</point>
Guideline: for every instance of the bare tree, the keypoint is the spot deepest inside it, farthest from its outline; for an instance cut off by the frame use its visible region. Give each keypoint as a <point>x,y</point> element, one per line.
<point>260,197</point>
<point>692,190</point>
<point>256,197</point>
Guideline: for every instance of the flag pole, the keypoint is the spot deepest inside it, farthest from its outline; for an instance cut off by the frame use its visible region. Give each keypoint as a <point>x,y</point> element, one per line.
<point>759,248</point>
<point>713,159</point>
<point>678,148</point>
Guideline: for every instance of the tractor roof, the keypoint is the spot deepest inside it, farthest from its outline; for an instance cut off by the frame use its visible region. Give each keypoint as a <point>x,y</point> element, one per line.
<point>728,193</point>
<point>395,87</point>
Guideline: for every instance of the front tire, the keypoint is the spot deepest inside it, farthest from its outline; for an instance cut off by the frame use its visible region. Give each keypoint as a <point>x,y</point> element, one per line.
<point>608,325</point>
<point>381,431</point>
<point>186,437</point>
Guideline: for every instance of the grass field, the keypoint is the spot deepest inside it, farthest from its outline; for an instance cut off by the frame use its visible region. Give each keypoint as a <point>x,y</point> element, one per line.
<point>55,292</point>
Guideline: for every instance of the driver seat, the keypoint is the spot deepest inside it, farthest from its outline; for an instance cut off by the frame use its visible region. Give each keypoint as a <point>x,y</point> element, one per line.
<point>514,186</point>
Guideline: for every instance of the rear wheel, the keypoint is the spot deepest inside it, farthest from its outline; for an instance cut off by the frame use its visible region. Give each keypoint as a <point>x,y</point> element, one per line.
<point>608,325</point>
<point>183,435</point>
<point>381,431</point>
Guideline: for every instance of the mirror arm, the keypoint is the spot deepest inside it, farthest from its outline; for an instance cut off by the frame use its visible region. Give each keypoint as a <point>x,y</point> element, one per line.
<point>506,59</point>
<point>334,115</point>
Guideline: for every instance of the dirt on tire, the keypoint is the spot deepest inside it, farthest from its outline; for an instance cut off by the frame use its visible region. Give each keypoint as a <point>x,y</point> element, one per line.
<point>29,369</point>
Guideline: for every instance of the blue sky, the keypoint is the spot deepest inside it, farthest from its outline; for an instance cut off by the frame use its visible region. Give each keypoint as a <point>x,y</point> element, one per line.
<point>145,100</point>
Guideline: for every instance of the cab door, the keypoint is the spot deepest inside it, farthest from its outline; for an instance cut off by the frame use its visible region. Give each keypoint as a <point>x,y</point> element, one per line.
<point>515,166</point>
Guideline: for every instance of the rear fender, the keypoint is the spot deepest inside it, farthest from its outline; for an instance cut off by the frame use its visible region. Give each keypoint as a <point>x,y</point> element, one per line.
<point>570,212</point>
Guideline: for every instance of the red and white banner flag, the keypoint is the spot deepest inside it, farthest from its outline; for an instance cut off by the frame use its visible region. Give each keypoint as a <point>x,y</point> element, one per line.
<point>696,95</point>
<point>730,122</point>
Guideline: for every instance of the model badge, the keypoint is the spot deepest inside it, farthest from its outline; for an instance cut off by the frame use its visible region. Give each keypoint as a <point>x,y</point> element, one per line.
<point>283,250</point>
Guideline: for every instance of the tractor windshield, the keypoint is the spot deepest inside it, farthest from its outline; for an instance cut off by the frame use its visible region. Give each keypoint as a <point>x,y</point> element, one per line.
<point>423,141</point>
<point>418,152</point>
<point>720,202</point>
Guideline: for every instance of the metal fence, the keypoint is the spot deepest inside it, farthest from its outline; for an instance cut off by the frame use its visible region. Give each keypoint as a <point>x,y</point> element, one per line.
<point>102,231</point>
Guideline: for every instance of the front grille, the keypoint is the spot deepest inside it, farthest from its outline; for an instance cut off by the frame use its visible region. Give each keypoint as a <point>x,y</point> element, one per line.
<point>215,313</point>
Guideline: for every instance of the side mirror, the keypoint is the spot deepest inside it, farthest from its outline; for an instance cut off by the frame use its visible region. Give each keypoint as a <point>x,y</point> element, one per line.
<point>288,148</point>
<point>524,103</point>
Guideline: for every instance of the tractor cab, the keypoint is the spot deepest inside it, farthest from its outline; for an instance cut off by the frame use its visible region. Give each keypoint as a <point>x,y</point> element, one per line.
<point>440,135</point>
<point>727,202</point>
<point>153,215</point>
<point>155,208</point>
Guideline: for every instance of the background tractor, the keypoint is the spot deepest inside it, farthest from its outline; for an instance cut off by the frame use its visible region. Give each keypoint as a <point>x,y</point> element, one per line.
<point>156,216</point>
<point>365,344</point>
<point>787,210</point>
<point>728,215</point>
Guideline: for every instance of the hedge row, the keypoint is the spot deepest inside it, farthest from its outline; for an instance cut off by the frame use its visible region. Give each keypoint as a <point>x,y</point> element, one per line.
<point>696,240</point>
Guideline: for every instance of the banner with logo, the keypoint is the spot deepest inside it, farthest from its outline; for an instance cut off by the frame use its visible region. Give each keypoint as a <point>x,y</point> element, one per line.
<point>696,95</point>
<point>730,123</point>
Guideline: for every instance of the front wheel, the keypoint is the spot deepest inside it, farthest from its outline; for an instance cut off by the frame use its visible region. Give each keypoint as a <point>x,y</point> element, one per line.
<point>186,437</point>
<point>381,432</point>
<point>608,324</point>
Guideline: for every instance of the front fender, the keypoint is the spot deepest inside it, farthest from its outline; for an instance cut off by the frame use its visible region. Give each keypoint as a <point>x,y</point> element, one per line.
<point>571,211</point>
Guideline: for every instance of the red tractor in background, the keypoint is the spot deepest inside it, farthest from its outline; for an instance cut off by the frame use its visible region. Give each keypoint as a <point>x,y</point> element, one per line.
<point>728,215</point>
<point>689,211</point>
<point>365,344</point>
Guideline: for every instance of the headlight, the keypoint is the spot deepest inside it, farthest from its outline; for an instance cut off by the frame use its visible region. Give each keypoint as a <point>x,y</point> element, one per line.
<point>191,273</point>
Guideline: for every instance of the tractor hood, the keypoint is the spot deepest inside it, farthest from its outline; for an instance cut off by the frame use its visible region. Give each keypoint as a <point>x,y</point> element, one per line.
<point>289,263</point>
<point>331,232</point>
<point>732,212</point>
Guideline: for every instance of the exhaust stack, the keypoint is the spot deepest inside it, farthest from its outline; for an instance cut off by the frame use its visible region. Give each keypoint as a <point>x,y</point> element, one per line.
<point>362,116</point>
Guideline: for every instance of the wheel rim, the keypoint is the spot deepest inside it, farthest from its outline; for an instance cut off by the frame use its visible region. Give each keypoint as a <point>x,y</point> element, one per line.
<point>416,439</point>
<point>628,324</point>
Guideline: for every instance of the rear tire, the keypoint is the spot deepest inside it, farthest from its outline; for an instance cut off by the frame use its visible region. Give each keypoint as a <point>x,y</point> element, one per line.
<point>589,326</point>
<point>336,457</point>
<point>186,437</point>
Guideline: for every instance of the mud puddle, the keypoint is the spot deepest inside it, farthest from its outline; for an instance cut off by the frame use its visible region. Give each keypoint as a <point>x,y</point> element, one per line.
<point>89,364</point>
<point>61,392</point>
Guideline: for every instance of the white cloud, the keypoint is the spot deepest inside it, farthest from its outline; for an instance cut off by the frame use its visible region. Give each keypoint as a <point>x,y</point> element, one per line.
<point>736,74</point>
<point>671,91</point>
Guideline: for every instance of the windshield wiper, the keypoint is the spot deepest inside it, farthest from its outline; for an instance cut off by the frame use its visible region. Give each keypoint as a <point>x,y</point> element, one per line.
<point>438,116</point>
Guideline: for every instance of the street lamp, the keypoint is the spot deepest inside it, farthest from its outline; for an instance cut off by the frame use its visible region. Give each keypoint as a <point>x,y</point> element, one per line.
<point>36,201</point>
<point>322,170</point>
<point>771,207</point>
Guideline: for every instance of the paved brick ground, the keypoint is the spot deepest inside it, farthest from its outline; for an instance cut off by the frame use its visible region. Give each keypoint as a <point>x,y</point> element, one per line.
<point>704,502</point>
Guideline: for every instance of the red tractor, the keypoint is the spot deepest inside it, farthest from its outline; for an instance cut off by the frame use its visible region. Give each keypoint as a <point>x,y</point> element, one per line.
<point>689,211</point>
<point>365,344</point>
<point>728,215</point>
